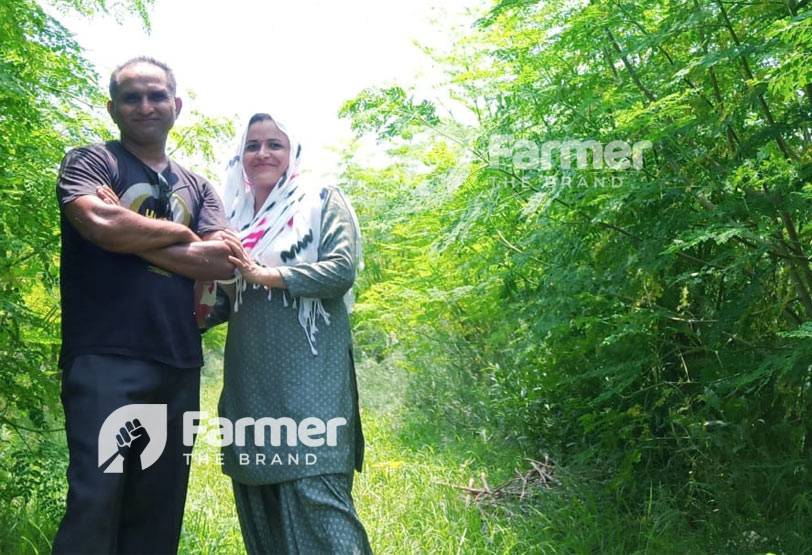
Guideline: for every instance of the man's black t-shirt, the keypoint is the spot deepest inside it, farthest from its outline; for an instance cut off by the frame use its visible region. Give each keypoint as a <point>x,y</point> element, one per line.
<point>119,303</point>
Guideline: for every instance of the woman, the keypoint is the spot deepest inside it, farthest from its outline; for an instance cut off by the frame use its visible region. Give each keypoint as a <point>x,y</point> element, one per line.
<point>289,353</point>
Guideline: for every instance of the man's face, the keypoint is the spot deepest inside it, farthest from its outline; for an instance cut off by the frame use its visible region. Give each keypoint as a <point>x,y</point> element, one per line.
<point>144,108</point>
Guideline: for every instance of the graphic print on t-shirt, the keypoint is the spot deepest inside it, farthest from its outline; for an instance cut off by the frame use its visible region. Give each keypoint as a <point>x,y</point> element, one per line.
<point>139,194</point>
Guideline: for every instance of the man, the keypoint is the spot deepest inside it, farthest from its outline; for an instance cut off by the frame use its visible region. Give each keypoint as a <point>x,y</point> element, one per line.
<point>128,327</point>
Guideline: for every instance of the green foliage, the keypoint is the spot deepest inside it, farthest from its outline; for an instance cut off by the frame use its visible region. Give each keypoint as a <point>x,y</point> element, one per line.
<point>44,100</point>
<point>654,321</point>
<point>388,112</point>
<point>194,139</point>
<point>119,9</point>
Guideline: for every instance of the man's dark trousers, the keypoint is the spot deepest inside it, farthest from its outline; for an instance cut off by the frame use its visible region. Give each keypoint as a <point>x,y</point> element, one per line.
<point>137,511</point>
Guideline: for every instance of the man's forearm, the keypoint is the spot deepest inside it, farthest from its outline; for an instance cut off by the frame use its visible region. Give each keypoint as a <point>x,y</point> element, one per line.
<point>202,260</point>
<point>118,229</point>
<point>136,234</point>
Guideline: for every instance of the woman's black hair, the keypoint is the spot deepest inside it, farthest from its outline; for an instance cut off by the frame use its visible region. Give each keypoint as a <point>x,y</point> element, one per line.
<point>259,117</point>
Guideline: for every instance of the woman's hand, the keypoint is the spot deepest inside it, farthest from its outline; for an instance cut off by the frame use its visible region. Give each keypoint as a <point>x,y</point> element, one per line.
<point>107,194</point>
<point>255,273</point>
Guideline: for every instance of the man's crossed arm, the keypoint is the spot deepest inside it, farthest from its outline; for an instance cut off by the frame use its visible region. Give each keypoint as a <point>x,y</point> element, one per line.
<point>203,260</point>
<point>168,245</point>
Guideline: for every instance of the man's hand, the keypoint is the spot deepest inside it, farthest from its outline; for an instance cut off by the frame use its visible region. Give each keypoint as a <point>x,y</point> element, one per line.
<point>229,237</point>
<point>254,272</point>
<point>108,195</point>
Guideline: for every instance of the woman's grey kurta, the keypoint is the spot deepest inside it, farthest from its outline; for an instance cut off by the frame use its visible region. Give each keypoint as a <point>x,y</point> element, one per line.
<point>270,370</point>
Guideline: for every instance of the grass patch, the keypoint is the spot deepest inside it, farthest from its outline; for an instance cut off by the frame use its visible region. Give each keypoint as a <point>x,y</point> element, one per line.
<point>210,524</point>
<point>402,496</point>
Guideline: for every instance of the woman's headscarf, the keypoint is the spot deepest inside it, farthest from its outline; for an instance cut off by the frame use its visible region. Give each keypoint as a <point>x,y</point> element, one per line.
<point>286,229</point>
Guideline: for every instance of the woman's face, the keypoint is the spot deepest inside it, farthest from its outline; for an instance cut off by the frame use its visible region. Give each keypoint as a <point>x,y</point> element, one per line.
<point>266,155</point>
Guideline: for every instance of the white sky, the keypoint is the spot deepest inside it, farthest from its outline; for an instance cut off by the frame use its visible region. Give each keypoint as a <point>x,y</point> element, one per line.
<point>298,61</point>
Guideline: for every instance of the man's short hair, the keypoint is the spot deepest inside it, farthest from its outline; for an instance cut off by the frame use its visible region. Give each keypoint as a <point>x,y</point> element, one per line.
<point>170,76</point>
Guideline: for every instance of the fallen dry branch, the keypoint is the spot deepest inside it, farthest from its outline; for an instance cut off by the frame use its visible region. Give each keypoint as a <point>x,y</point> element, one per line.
<point>525,484</point>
